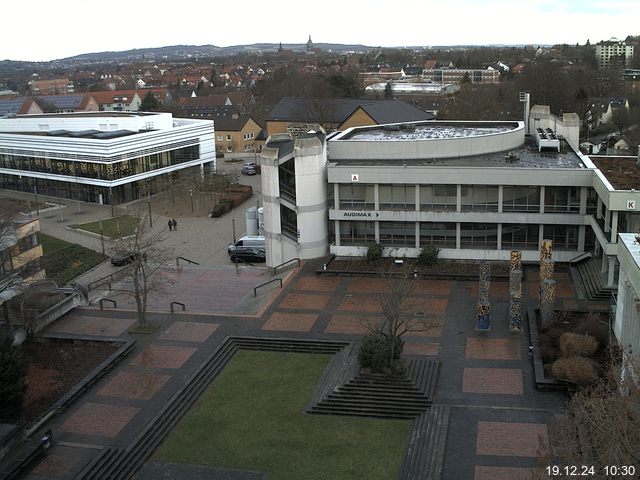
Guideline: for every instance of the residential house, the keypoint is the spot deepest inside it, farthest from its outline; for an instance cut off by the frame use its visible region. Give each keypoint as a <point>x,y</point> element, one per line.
<point>602,109</point>
<point>118,100</point>
<point>298,115</point>
<point>78,102</point>
<point>19,106</point>
<point>56,86</point>
<point>237,135</point>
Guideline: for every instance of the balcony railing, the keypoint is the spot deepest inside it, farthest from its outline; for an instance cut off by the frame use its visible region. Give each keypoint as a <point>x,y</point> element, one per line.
<point>288,192</point>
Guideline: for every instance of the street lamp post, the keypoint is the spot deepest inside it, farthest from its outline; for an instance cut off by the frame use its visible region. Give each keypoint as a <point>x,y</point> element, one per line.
<point>191,196</point>
<point>150,218</point>
<point>35,193</point>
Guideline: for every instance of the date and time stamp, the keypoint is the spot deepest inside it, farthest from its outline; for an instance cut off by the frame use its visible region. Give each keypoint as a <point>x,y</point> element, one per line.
<point>609,471</point>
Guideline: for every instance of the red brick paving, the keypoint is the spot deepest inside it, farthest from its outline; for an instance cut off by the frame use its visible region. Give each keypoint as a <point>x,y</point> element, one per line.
<point>319,284</point>
<point>361,304</point>
<point>565,290</point>
<point>291,322</point>
<point>493,349</point>
<point>344,323</point>
<point>369,285</point>
<point>431,329</point>
<point>163,356</point>
<point>88,325</point>
<point>510,439</point>
<point>503,381</point>
<point>421,348</point>
<point>99,419</point>
<point>433,307</point>
<point>308,302</point>
<point>140,386</point>
<point>189,331</point>
<point>503,473</point>
<point>55,465</point>
<point>433,287</point>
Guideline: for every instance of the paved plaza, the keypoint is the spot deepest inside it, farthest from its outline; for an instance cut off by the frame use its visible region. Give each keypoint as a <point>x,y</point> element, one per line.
<point>498,419</point>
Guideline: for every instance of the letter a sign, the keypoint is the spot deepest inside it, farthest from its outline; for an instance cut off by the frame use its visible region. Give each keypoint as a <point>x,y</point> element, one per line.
<point>355,177</point>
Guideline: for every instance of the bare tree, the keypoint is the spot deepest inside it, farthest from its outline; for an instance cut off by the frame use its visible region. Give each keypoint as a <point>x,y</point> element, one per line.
<point>401,315</point>
<point>601,426</point>
<point>146,256</point>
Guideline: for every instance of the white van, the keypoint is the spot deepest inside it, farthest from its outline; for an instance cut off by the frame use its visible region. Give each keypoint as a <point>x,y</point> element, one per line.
<point>247,241</point>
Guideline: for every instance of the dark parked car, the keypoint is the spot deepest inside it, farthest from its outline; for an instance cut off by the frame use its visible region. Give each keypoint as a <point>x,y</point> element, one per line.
<point>120,259</point>
<point>248,255</point>
<point>250,168</point>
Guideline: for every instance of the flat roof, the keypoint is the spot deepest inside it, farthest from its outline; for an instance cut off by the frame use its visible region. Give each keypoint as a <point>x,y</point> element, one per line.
<point>427,130</point>
<point>85,114</point>
<point>623,173</point>
<point>527,156</point>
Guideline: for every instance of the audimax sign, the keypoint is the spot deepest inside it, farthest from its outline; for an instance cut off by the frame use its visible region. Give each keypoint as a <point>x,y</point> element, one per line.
<point>361,214</point>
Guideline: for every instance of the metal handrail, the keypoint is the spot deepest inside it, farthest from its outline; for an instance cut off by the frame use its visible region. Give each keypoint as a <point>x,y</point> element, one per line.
<point>186,260</point>
<point>184,308</point>
<point>115,304</point>
<point>275,269</point>
<point>255,289</point>
<point>111,278</point>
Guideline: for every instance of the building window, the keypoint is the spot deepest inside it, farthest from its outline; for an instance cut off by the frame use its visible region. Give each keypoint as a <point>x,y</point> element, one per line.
<point>356,197</point>
<point>479,198</point>
<point>357,233</point>
<point>520,199</point>
<point>229,149</point>
<point>228,138</point>
<point>438,197</point>
<point>397,197</point>
<point>519,236</point>
<point>438,234</point>
<point>219,138</point>
<point>288,223</point>
<point>564,237</point>
<point>398,234</point>
<point>561,200</point>
<point>479,235</point>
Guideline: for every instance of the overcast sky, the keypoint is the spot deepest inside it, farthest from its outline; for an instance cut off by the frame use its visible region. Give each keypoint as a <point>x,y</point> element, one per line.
<point>47,30</point>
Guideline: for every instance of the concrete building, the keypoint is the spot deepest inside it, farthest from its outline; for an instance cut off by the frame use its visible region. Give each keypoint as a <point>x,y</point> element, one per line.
<point>101,157</point>
<point>294,195</point>
<point>626,325</point>
<point>475,190</point>
<point>458,75</point>
<point>614,52</point>
<point>20,254</point>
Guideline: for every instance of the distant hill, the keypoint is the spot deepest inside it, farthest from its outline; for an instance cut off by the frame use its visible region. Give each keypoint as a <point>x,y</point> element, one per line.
<point>190,51</point>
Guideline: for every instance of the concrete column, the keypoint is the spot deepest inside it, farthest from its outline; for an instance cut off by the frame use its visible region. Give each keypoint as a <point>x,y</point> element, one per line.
<point>336,196</point>
<point>581,237</point>
<point>598,208</point>
<point>500,198</point>
<point>603,265</point>
<point>417,235</point>
<point>614,227</point>
<point>377,226</point>
<point>611,271</point>
<point>458,198</point>
<point>583,200</point>
<point>540,235</point>
<point>336,230</point>
<point>541,201</point>
<point>376,201</point>
<point>499,236</point>
<point>458,236</point>
<point>417,196</point>
<point>607,220</point>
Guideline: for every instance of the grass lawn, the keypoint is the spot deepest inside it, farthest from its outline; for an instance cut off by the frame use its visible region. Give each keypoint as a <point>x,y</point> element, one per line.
<point>114,227</point>
<point>64,261</point>
<point>252,418</point>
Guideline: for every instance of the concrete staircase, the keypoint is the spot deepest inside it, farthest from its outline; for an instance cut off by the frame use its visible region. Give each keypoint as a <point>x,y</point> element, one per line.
<point>593,281</point>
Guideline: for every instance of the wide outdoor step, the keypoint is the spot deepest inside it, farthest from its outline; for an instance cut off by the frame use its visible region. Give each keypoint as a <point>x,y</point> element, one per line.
<point>365,413</point>
<point>371,400</point>
<point>351,389</point>
<point>595,289</point>
<point>101,461</point>
<point>424,457</point>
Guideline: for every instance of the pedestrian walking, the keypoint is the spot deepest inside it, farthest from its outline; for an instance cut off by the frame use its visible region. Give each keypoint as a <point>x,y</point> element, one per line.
<point>170,223</point>
<point>175,224</point>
